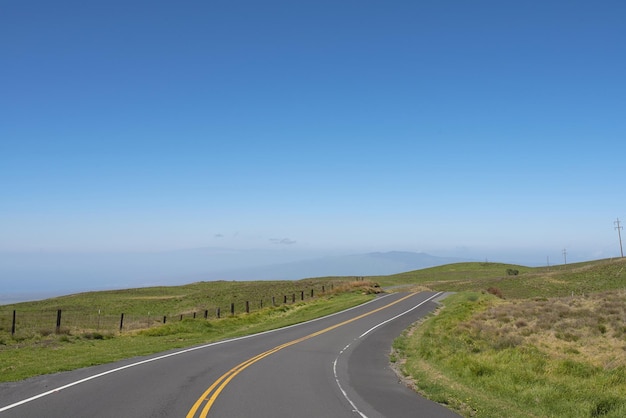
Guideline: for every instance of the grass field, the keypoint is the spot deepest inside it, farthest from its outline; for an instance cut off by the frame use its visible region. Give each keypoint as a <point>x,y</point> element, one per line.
<point>146,307</point>
<point>555,346</point>
<point>42,350</point>
<point>577,279</point>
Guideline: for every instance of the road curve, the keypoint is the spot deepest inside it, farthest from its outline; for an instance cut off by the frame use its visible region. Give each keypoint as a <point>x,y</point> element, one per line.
<point>336,366</point>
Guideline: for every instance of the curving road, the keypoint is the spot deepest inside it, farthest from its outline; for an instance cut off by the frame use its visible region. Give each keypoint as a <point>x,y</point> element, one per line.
<point>336,366</point>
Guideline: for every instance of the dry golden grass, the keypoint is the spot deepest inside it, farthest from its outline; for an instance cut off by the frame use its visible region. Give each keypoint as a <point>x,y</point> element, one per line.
<point>365,286</point>
<point>590,328</point>
<point>558,357</point>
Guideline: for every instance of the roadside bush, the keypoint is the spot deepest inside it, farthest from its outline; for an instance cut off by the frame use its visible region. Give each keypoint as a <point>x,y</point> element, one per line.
<point>472,297</point>
<point>496,292</point>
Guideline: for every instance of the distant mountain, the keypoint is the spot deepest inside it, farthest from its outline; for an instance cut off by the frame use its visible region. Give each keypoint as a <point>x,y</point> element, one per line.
<point>370,264</point>
<point>38,275</point>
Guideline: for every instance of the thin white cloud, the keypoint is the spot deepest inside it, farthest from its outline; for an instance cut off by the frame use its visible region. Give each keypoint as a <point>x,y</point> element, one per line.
<point>282,241</point>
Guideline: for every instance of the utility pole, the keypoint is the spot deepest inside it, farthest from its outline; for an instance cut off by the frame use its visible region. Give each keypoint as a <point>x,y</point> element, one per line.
<point>564,256</point>
<point>619,234</point>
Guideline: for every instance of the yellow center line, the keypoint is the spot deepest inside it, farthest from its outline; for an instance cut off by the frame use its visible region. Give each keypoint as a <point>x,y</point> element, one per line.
<point>211,394</point>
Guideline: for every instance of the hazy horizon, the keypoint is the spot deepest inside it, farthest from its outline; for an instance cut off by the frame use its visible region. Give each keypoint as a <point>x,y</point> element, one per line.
<point>37,275</point>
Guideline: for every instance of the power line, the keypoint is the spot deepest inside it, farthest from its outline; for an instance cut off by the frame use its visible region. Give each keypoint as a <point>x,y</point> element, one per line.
<point>619,234</point>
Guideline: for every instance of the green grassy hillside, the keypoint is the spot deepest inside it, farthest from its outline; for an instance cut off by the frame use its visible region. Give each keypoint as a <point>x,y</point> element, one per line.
<point>553,344</point>
<point>151,306</point>
<point>166,300</point>
<point>563,280</point>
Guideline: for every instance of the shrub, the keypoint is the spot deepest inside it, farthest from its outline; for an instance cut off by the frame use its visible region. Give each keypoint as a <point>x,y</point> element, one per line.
<point>512,272</point>
<point>496,292</point>
<point>473,297</point>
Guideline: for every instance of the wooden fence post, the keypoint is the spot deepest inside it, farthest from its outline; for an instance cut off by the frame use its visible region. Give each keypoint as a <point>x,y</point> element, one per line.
<point>164,319</point>
<point>13,325</point>
<point>247,307</point>
<point>302,295</point>
<point>121,322</point>
<point>273,301</point>
<point>232,308</point>
<point>58,330</point>
<point>206,313</point>
<point>217,312</point>
<point>293,298</point>
<point>311,292</point>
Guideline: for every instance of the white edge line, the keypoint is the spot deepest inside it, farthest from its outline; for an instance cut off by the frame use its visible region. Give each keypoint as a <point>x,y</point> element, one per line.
<point>187,350</point>
<point>400,314</point>
<point>345,395</point>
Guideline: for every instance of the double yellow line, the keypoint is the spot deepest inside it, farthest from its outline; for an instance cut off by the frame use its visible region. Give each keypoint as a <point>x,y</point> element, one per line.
<point>210,395</point>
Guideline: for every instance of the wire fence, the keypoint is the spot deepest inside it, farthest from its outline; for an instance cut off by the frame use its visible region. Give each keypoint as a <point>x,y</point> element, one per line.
<point>25,324</point>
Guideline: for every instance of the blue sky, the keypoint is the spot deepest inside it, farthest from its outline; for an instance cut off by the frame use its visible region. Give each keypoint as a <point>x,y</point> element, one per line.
<point>486,128</point>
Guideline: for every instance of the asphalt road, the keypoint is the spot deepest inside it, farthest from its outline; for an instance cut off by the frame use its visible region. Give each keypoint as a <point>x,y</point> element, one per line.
<point>336,366</point>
